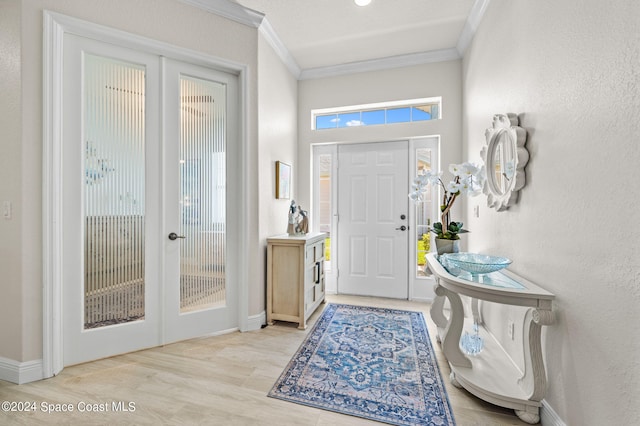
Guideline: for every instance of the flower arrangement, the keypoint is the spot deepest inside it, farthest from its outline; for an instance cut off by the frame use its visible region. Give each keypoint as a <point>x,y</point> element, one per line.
<point>468,179</point>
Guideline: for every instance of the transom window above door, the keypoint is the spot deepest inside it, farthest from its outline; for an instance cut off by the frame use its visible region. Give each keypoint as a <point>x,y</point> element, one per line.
<point>381,113</point>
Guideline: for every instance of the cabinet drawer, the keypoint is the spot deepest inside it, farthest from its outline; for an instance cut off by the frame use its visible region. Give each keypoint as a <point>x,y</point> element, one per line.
<point>318,251</point>
<point>314,252</point>
<point>318,290</point>
<point>309,254</point>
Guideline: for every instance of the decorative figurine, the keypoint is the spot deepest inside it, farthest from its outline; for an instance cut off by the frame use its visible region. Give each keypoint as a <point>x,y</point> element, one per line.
<point>291,228</point>
<point>304,222</point>
<point>298,220</point>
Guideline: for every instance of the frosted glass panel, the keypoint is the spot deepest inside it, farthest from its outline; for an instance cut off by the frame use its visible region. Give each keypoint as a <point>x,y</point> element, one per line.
<point>114,189</point>
<point>202,193</point>
<point>423,214</point>
<point>324,208</point>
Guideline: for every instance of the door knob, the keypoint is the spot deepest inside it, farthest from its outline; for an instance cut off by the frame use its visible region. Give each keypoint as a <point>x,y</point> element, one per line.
<point>174,236</point>
<point>402,228</point>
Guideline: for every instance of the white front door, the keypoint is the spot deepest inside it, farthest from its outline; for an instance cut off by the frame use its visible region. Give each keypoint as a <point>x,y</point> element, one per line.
<point>145,148</point>
<point>373,219</point>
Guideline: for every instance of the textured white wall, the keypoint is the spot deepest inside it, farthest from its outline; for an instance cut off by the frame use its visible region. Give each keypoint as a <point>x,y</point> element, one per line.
<point>429,80</point>
<point>572,70</point>
<point>10,180</point>
<point>169,21</point>
<point>278,97</point>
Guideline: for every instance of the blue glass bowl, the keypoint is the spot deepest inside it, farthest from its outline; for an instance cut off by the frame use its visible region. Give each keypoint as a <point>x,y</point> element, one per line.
<point>475,263</point>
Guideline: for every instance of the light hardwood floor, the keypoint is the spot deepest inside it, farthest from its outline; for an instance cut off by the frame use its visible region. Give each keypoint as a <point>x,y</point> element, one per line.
<point>220,380</point>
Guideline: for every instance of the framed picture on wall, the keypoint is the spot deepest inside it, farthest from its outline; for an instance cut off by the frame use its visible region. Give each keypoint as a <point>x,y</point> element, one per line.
<point>283,180</point>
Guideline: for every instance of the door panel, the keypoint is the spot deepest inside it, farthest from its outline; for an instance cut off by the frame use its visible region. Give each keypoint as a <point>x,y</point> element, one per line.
<point>372,198</point>
<point>197,149</point>
<point>110,294</point>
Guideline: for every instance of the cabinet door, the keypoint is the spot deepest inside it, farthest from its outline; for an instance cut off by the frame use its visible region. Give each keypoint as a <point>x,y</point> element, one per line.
<point>285,276</point>
<point>319,251</point>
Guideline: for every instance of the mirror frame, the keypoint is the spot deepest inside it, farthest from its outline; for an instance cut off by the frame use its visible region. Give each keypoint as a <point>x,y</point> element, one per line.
<point>504,124</point>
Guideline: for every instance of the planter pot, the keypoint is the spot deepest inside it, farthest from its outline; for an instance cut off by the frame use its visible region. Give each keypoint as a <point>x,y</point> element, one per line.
<point>447,246</point>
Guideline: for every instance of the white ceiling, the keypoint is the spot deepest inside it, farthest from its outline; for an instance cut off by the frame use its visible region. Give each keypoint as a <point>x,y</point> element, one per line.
<point>328,33</point>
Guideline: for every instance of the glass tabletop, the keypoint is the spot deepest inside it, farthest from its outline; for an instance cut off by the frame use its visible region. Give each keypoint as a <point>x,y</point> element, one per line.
<point>495,279</point>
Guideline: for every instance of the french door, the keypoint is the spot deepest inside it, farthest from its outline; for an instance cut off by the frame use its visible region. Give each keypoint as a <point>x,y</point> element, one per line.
<point>373,219</point>
<point>146,143</point>
<point>196,189</point>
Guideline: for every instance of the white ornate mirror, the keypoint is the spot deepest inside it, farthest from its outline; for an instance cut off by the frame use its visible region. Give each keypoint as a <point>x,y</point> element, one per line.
<point>504,157</point>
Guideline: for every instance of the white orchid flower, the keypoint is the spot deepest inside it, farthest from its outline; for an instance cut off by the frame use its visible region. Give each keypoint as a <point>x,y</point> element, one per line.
<point>456,169</point>
<point>470,187</point>
<point>416,196</point>
<point>470,169</point>
<point>453,187</point>
<point>434,178</point>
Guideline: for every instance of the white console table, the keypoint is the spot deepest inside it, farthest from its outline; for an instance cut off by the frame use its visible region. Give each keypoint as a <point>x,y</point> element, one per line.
<point>491,374</point>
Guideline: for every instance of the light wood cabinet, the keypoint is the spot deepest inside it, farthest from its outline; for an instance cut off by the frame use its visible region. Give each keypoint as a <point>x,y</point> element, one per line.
<point>295,277</point>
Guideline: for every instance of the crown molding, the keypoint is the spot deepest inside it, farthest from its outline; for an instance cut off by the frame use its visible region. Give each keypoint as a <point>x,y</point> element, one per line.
<point>381,64</point>
<point>229,10</point>
<point>238,13</point>
<point>471,26</point>
<point>281,50</point>
<point>468,33</point>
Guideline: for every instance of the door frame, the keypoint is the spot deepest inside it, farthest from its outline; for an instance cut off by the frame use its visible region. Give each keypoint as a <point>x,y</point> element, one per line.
<point>333,276</point>
<point>417,290</point>
<point>55,27</point>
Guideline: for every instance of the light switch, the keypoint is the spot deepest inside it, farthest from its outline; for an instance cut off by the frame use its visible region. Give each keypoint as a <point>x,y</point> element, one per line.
<point>6,209</point>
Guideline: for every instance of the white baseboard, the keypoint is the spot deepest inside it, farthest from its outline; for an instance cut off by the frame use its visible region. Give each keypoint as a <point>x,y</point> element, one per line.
<point>20,372</point>
<point>422,299</point>
<point>548,416</point>
<point>31,371</point>
<point>255,322</point>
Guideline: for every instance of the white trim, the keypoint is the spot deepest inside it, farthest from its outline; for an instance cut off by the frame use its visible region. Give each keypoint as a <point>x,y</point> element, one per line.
<point>548,416</point>
<point>471,26</point>
<point>421,288</point>
<point>53,33</point>
<point>251,18</point>
<point>229,10</point>
<point>255,19</point>
<point>421,299</point>
<point>64,24</point>
<point>377,105</point>
<point>330,273</point>
<point>281,50</point>
<point>20,372</point>
<point>390,62</point>
<point>55,26</point>
<point>256,322</point>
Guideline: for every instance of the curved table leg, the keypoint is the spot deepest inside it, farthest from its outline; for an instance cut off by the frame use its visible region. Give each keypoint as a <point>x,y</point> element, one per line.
<point>437,315</point>
<point>531,417</point>
<point>454,381</point>
<point>451,338</point>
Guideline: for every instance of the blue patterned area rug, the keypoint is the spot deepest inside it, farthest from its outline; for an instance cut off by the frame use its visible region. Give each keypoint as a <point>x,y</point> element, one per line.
<point>368,362</point>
